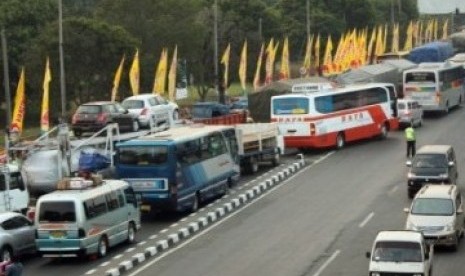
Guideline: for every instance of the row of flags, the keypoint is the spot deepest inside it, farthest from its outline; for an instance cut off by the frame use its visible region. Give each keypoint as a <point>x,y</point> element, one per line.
<point>353,50</point>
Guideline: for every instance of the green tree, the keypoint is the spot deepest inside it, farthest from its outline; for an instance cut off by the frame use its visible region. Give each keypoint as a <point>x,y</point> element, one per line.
<point>93,50</point>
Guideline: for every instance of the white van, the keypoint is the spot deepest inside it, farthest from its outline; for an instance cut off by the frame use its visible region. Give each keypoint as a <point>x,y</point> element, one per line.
<point>437,211</point>
<point>86,217</point>
<point>14,195</point>
<point>400,252</point>
<point>410,112</point>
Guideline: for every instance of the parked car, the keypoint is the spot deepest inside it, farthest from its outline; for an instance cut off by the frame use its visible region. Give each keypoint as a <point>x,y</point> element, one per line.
<point>437,211</point>
<point>151,107</point>
<point>206,110</point>
<point>409,112</point>
<point>93,116</point>
<point>17,235</point>
<point>239,104</point>
<point>431,164</point>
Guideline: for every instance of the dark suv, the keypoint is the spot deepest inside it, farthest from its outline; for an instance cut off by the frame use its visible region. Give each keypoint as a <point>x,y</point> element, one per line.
<point>93,116</point>
<point>431,164</point>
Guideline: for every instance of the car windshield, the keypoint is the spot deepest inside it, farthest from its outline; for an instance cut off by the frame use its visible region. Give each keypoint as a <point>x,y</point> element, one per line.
<point>432,207</point>
<point>133,104</point>
<point>392,251</point>
<point>430,161</point>
<point>57,211</point>
<point>89,109</point>
<point>142,155</point>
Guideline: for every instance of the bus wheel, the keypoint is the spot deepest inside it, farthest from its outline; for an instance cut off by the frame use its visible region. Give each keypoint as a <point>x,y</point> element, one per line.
<point>275,160</point>
<point>195,203</point>
<point>131,233</point>
<point>384,132</point>
<point>102,247</point>
<point>252,165</point>
<point>340,141</point>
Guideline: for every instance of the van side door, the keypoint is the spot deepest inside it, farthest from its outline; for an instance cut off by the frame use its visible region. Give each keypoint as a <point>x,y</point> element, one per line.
<point>453,172</point>
<point>459,212</point>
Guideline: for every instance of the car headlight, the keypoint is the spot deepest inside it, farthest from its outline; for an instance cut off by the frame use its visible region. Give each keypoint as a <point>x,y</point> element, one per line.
<point>410,175</point>
<point>444,175</point>
<point>449,226</point>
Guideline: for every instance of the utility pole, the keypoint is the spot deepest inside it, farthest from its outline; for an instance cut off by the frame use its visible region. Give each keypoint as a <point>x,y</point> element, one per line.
<point>215,50</point>
<point>392,12</point>
<point>260,35</point>
<point>62,62</point>
<point>6,80</point>
<point>308,18</point>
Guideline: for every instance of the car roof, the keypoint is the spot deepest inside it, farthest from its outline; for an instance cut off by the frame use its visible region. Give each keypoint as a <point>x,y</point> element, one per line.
<point>440,149</point>
<point>437,191</point>
<point>98,103</point>
<point>142,96</point>
<point>399,235</point>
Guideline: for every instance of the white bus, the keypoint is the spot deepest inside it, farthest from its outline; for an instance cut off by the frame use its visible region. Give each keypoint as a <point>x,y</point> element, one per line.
<point>437,86</point>
<point>333,117</point>
<point>86,217</point>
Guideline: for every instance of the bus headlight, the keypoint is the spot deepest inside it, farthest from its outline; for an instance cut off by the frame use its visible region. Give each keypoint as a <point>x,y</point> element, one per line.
<point>410,175</point>
<point>444,175</point>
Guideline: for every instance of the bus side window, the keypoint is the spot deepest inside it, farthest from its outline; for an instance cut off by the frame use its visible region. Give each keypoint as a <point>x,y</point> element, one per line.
<point>130,196</point>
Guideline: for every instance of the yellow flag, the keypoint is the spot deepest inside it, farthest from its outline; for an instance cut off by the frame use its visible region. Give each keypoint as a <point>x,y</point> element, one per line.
<point>370,47</point>
<point>395,38</point>
<point>225,62</point>
<point>269,62</point>
<point>308,57</point>
<point>256,79</point>
<point>385,38</point>
<point>284,73</point>
<point>379,43</point>
<point>20,105</point>
<point>134,74</point>
<point>117,79</point>
<point>317,53</point>
<point>172,76</point>
<point>445,29</point>
<point>435,29</point>
<point>409,37</point>
<point>44,114</point>
<point>243,67</point>
<point>327,59</point>
<point>159,84</point>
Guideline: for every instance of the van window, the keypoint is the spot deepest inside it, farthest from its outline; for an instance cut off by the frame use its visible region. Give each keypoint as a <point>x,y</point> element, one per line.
<point>392,251</point>
<point>57,211</point>
<point>143,155</point>
<point>16,181</point>
<point>95,207</point>
<point>112,201</point>
<point>130,196</point>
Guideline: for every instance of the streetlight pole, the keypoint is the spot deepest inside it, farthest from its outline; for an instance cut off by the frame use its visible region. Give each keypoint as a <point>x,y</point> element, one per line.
<point>215,47</point>
<point>308,18</point>
<point>6,80</point>
<point>62,63</point>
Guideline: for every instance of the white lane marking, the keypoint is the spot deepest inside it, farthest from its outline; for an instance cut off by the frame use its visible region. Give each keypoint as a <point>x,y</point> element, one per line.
<point>91,271</point>
<point>104,264</point>
<point>183,219</point>
<point>328,261</point>
<point>174,225</point>
<point>366,220</point>
<point>164,230</point>
<point>118,256</point>
<point>130,249</point>
<point>153,237</point>
<point>393,190</point>
<point>214,226</point>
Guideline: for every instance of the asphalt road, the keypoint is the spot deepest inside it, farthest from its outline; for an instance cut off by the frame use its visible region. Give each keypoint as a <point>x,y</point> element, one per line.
<point>319,222</point>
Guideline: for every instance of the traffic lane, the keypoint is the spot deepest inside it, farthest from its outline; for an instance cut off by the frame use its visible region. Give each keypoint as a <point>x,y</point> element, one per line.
<point>151,225</point>
<point>289,230</point>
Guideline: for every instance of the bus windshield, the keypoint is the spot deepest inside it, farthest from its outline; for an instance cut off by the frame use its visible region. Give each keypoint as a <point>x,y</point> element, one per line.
<point>419,77</point>
<point>143,155</point>
<point>57,211</point>
<point>288,106</point>
<point>393,251</point>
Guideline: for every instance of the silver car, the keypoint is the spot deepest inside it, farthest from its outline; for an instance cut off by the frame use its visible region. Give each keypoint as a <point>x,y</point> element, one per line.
<point>17,235</point>
<point>151,108</point>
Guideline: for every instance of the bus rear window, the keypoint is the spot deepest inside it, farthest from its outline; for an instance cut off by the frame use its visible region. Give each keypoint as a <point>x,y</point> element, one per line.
<point>290,106</point>
<point>143,155</point>
<point>420,77</point>
<point>57,211</point>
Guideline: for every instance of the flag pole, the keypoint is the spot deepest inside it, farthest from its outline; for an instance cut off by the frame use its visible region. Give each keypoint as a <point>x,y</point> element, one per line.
<point>62,65</point>
<point>6,79</point>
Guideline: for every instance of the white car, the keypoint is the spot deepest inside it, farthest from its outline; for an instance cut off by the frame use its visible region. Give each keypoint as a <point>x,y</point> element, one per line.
<point>437,211</point>
<point>151,108</point>
<point>409,112</point>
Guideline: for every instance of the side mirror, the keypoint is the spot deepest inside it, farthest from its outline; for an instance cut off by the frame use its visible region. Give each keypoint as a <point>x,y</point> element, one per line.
<point>408,163</point>
<point>406,210</point>
<point>451,163</point>
<point>368,254</point>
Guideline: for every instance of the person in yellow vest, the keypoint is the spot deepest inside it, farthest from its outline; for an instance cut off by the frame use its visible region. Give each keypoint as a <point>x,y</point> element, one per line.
<point>410,138</point>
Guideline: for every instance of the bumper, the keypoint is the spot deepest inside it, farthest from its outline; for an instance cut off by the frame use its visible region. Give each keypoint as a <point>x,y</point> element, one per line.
<point>87,128</point>
<point>448,239</point>
<point>415,184</point>
<point>61,248</point>
<point>152,203</point>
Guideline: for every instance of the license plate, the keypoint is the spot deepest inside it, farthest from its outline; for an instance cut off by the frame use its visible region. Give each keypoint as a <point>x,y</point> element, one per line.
<point>57,234</point>
<point>145,207</point>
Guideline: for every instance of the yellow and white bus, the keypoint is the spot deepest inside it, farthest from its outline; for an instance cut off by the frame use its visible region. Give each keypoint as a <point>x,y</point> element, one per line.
<point>86,217</point>
<point>437,86</point>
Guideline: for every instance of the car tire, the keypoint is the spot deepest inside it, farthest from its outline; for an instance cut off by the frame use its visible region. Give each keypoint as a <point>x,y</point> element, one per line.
<point>252,165</point>
<point>6,254</point>
<point>175,115</point>
<point>102,248</point>
<point>195,203</point>
<point>275,160</point>
<point>383,132</point>
<point>410,194</point>
<point>455,246</point>
<point>131,233</point>
<point>77,133</point>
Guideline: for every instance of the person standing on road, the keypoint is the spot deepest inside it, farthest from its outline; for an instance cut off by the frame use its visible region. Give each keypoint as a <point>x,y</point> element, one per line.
<point>410,138</point>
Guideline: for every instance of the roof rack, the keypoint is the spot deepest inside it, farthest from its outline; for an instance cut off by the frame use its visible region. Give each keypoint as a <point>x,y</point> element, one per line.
<point>80,183</point>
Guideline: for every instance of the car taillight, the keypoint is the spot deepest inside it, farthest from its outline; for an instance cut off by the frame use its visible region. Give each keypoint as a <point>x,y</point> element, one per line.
<point>102,117</point>
<point>81,233</point>
<point>144,111</point>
